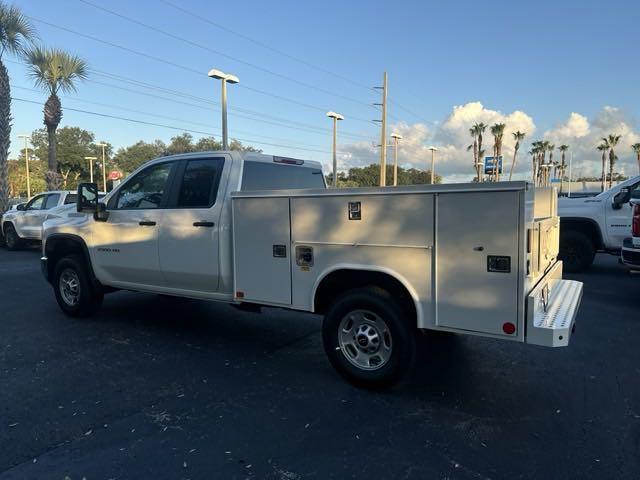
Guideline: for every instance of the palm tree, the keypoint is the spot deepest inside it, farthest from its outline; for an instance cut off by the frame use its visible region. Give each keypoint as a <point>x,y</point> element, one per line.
<point>54,71</point>
<point>612,140</point>
<point>563,149</point>
<point>474,134</point>
<point>636,149</point>
<point>603,147</point>
<point>480,128</point>
<point>497,130</point>
<point>550,148</point>
<point>16,32</point>
<point>517,136</point>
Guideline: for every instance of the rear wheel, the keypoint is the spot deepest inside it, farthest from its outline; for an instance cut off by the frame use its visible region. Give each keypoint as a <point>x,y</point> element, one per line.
<point>368,338</point>
<point>11,238</point>
<point>75,293</point>
<point>576,252</point>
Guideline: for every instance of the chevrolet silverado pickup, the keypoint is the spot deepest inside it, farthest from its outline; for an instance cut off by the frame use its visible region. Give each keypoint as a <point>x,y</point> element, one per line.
<point>380,264</point>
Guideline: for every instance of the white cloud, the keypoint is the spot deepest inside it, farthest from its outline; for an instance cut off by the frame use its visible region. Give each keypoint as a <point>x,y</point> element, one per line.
<point>452,137</point>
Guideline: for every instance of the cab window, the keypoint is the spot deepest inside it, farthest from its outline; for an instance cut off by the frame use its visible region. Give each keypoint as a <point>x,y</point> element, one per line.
<point>146,190</point>
<point>199,185</point>
<point>36,203</point>
<point>52,201</point>
<point>276,176</point>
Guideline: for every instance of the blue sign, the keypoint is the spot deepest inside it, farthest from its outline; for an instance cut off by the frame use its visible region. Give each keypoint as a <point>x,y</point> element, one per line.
<point>490,163</point>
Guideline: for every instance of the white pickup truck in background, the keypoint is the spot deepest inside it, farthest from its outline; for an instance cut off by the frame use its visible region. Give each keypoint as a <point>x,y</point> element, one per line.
<point>380,264</point>
<point>595,224</point>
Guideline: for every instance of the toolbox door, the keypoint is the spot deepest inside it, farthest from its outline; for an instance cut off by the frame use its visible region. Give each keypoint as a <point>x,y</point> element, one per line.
<point>261,250</point>
<point>477,243</point>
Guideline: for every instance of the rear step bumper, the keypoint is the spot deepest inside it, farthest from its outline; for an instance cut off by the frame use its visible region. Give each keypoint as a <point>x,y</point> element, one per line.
<point>551,309</point>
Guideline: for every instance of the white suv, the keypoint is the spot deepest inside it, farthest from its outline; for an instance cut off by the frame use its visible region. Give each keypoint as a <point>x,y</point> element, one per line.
<point>24,224</point>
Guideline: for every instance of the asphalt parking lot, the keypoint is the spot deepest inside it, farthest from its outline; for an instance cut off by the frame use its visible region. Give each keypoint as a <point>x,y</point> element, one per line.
<point>159,388</point>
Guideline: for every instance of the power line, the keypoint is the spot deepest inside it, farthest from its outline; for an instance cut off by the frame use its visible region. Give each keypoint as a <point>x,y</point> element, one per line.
<point>248,114</point>
<point>126,109</point>
<point>264,45</point>
<point>183,67</point>
<point>222,54</point>
<point>143,122</point>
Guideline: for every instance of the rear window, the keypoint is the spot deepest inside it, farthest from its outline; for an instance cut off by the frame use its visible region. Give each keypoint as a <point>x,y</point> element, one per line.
<point>276,176</point>
<point>71,198</point>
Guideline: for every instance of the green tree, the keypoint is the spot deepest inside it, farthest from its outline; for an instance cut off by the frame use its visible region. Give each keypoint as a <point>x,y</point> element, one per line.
<point>480,128</point>
<point>636,149</point>
<point>497,130</point>
<point>16,33</point>
<point>18,176</point>
<point>563,165</point>
<point>129,158</point>
<point>73,144</point>
<point>54,71</point>
<point>369,176</point>
<point>518,137</point>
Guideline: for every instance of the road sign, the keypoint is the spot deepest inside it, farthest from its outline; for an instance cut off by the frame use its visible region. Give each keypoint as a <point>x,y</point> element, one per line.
<point>490,163</point>
<point>115,175</point>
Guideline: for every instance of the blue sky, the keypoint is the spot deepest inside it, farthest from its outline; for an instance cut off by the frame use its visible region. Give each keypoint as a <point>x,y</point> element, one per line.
<point>544,59</point>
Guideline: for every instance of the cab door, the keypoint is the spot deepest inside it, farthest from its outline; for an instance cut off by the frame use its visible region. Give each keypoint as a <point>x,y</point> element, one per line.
<point>28,221</point>
<point>125,246</point>
<point>189,237</point>
<point>619,221</point>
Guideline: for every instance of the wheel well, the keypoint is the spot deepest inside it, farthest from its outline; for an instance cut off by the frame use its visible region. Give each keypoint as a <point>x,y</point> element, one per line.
<point>587,227</point>
<point>340,281</point>
<point>59,246</point>
<point>5,224</point>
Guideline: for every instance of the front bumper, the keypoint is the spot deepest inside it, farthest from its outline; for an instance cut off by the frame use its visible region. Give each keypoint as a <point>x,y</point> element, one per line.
<point>630,254</point>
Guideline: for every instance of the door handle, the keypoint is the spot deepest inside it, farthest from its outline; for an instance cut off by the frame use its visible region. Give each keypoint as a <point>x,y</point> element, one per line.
<point>146,223</point>
<point>203,224</point>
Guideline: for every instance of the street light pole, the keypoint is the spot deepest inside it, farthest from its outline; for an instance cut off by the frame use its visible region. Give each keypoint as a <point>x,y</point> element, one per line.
<point>396,137</point>
<point>26,162</point>
<point>104,168</point>
<point>225,78</point>
<point>433,163</point>
<point>336,117</point>
<point>91,159</point>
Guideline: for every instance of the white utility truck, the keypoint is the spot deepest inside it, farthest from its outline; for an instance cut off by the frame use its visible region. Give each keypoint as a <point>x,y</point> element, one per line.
<point>380,264</point>
<point>595,224</point>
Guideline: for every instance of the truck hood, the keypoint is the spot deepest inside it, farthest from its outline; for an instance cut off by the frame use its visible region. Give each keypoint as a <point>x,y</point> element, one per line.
<point>568,207</point>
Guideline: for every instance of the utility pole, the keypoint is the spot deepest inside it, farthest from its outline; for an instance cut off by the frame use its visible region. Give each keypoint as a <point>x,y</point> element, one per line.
<point>225,78</point>
<point>396,137</point>
<point>104,168</point>
<point>336,117</point>
<point>91,159</point>
<point>26,162</point>
<point>383,133</point>
<point>433,163</point>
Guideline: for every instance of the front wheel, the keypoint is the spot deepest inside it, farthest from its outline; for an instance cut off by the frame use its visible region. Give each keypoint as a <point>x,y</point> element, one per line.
<point>368,338</point>
<point>75,293</point>
<point>11,238</point>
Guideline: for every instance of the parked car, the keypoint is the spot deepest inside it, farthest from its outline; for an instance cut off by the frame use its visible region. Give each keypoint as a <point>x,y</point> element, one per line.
<point>24,223</point>
<point>630,255</point>
<point>380,264</point>
<point>595,224</point>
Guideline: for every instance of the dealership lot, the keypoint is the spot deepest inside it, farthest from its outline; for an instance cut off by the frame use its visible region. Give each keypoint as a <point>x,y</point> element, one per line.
<point>155,387</point>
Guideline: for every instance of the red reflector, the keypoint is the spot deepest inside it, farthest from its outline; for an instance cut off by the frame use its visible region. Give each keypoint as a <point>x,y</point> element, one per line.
<point>508,328</point>
<point>239,294</point>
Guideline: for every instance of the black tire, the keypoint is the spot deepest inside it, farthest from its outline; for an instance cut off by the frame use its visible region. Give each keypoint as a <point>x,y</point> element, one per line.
<point>89,298</point>
<point>377,304</point>
<point>12,239</point>
<point>576,252</point>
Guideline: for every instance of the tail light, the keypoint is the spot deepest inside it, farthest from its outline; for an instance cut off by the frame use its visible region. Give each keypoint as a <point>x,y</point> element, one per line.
<point>635,222</point>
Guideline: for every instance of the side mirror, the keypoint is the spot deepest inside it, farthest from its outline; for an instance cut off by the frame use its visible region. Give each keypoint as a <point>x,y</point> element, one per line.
<point>21,206</point>
<point>620,198</point>
<point>87,198</point>
<point>101,214</point>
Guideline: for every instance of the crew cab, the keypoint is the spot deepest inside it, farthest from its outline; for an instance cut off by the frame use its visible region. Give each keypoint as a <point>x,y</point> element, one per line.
<point>595,224</point>
<point>24,223</point>
<point>380,264</point>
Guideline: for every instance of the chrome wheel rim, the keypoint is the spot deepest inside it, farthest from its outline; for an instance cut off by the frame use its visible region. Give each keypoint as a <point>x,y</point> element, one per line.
<point>365,340</point>
<point>69,286</point>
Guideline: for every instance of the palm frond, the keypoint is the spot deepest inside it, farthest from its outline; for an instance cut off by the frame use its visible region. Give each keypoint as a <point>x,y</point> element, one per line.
<point>16,30</point>
<point>55,70</point>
